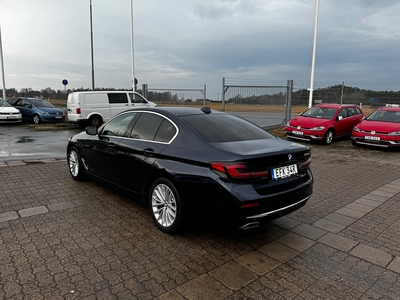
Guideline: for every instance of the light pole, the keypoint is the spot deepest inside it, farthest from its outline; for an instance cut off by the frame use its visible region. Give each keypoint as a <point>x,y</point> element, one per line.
<point>2,68</point>
<point>313,55</point>
<point>91,43</point>
<point>134,81</point>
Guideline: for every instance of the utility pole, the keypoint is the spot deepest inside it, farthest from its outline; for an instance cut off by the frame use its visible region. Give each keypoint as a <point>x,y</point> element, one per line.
<point>134,80</point>
<point>2,68</point>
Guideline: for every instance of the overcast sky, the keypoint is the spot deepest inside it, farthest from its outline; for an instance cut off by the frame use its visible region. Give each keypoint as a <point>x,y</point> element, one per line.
<point>192,43</point>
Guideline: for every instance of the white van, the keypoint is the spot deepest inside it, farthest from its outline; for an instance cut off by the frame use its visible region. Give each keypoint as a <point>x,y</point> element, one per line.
<point>94,108</point>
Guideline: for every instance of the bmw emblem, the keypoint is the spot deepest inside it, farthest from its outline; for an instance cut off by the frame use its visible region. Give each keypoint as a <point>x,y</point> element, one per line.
<point>289,157</point>
<point>298,127</point>
<point>373,132</point>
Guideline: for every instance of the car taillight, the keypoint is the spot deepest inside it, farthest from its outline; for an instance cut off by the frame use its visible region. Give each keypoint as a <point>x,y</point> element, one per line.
<point>305,163</point>
<point>78,111</point>
<point>236,171</point>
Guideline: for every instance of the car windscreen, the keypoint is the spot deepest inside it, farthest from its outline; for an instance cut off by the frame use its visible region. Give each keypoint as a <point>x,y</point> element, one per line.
<point>320,112</point>
<point>385,116</point>
<point>41,103</point>
<point>4,103</point>
<point>218,128</point>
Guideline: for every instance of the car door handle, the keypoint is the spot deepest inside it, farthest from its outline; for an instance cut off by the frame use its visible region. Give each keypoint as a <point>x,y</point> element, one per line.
<point>111,145</point>
<point>148,152</point>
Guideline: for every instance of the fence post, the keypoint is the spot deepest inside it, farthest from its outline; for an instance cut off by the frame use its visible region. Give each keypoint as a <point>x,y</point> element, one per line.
<point>223,93</point>
<point>288,104</point>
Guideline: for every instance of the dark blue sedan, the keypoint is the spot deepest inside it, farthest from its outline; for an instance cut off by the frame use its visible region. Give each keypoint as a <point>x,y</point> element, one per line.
<point>38,110</point>
<point>191,162</point>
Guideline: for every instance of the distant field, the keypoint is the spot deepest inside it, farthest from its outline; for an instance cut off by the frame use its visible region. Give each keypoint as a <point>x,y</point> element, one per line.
<point>230,107</point>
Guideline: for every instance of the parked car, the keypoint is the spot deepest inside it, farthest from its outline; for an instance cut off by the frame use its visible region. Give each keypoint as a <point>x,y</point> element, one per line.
<point>379,129</point>
<point>324,122</point>
<point>189,162</point>
<point>37,110</point>
<point>9,114</point>
<point>95,107</point>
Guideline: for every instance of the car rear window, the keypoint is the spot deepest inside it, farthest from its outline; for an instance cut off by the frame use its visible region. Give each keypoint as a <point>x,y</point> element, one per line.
<point>217,128</point>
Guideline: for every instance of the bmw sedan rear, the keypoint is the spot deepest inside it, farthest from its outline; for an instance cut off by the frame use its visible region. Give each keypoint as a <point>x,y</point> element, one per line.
<point>190,162</point>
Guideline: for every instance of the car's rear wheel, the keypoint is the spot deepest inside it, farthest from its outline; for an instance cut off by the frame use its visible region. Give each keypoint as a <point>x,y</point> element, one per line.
<point>166,206</point>
<point>95,121</point>
<point>74,164</point>
<point>329,136</point>
<point>36,119</point>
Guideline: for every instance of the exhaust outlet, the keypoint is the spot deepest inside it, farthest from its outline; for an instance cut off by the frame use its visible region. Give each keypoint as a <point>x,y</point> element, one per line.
<point>249,225</point>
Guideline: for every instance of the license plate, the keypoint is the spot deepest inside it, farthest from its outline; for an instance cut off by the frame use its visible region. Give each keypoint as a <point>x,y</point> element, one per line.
<point>297,132</point>
<point>284,172</point>
<point>12,117</point>
<point>58,117</point>
<point>372,138</point>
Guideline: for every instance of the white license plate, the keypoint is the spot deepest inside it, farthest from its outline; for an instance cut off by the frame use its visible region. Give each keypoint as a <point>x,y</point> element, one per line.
<point>58,117</point>
<point>284,172</point>
<point>372,138</point>
<point>297,132</point>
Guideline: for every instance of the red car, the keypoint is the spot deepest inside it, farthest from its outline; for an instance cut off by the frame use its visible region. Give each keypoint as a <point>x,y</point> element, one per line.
<point>380,129</point>
<point>324,122</point>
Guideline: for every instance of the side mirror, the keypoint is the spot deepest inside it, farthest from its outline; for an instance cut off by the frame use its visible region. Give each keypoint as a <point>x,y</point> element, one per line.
<point>340,118</point>
<point>91,130</point>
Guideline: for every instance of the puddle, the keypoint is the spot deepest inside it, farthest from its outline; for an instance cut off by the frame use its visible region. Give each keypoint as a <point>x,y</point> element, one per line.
<point>24,139</point>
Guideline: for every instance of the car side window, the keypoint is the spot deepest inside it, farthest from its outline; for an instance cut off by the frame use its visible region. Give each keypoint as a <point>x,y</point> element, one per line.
<point>146,126</point>
<point>135,98</point>
<point>117,98</point>
<point>343,113</point>
<point>165,132</point>
<point>119,125</point>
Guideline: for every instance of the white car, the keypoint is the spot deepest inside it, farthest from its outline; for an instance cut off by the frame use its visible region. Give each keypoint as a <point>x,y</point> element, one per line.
<point>9,114</point>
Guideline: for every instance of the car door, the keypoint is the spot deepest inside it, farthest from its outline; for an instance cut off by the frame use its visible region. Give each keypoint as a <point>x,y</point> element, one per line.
<point>150,135</point>
<point>343,122</point>
<point>100,151</point>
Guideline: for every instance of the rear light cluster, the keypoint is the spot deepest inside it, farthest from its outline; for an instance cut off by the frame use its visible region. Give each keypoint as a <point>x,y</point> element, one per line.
<point>305,164</point>
<point>78,111</point>
<point>236,171</point>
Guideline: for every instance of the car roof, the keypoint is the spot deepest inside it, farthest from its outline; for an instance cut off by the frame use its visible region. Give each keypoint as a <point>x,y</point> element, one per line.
<point>390,108</point>
<point>180,111</point>
<point>335,105</point>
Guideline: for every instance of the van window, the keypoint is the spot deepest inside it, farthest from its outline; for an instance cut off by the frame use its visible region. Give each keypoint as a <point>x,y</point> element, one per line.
<point>117,98</point>
<point>136,98</point>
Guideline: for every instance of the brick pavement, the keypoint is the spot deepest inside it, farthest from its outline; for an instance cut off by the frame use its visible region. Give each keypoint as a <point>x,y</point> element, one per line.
<point>62,239</point>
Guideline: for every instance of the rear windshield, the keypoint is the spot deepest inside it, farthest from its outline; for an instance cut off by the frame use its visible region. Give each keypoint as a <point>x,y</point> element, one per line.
<point>214,128</point>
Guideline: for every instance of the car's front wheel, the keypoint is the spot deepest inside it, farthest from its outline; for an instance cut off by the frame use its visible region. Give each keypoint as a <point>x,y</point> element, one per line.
<point>74,164</point>
<point>329,136</point>
<point>166,206</point>
<point>36,119</point>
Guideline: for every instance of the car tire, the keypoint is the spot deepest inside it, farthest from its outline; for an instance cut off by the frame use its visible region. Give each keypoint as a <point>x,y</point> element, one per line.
<point>329,136</point>
<point>36,119</point>
<point>166,206</point>
<point>95,121</point>
<point>74,164</point>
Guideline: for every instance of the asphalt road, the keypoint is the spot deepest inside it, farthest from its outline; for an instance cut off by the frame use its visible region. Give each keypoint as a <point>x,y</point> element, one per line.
<point>20,142</point>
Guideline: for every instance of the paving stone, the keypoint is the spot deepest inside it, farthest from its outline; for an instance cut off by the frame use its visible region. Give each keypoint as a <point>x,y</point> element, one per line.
<point>382,194</point>
<point>296,242</point>
<point>375,197</point>
<point>27,212</point>
<point>368,202</point>
<point>395,265</point>
<point>204,287</point>
<point>352,213</point>
<point>286,222</point>
<point>388,189</point>
<point>8,216</point>
<point>329,225</point>
<point>278,251</point>
<point>171,295</point>
<point>341,219</point>
<point>16,163</point>
<point>337,242</point>
<point>257,262</point>
<point>61,206</point>
<point>375,256</point>
<point>233,275</point>
<point>309,231</point>
<point>360,207</point>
